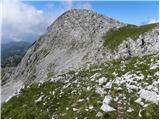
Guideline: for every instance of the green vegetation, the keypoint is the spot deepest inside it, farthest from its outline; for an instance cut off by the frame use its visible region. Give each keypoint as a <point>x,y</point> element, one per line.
<point>11,61</point>
<point>50,74</point>
<point>116,36</point>
<point>78,97</point>
<point>12,53</point>
<point>149,112</point>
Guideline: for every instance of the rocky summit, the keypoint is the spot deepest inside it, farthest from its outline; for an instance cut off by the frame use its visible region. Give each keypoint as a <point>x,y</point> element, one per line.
<point>86,66</point>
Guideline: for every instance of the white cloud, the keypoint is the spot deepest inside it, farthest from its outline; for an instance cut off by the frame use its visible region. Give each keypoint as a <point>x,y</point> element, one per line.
<point>151,20</point>
<point>20,20</point>
<point>24,22</point>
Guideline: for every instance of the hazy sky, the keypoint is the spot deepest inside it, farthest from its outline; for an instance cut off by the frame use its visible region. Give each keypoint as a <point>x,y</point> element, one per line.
<point>26,20</point>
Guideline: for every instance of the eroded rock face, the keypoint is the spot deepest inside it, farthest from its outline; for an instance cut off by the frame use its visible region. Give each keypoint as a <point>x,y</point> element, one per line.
<point>74,39</point>
<point>6,73</point>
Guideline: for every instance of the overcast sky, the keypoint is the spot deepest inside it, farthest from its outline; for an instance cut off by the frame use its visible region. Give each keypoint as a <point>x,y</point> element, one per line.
<point>26,20</point>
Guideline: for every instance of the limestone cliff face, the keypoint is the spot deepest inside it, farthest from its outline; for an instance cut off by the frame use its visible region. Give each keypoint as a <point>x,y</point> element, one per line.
<point>73,40</point>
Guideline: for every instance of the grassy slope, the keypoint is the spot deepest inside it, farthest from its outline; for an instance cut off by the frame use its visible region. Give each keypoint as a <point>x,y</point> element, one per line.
<point>60,99</point>
<point>114,37</point>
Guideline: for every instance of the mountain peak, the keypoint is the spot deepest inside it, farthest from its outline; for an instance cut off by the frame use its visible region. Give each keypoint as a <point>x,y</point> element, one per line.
<point>83,16</point>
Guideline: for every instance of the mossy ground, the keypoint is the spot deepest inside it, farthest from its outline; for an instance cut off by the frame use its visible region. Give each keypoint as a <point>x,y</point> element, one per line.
<point>78,97</point>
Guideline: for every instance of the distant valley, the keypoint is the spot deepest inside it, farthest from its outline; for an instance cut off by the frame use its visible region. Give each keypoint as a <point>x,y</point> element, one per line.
<point>12,53</point>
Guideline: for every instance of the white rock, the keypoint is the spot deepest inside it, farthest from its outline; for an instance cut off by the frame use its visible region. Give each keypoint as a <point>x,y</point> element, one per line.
<point>102,80</point>
<point>67,108</point>
<point>130,91</point>
<point>53,93</point>
<point>140,87</point>
<point>130,109</point>
<point>107,108</point>
<point>65,86</point>
<point>44,103</point>
<point>132,87</point>
<point>74,91</point>
<point>38,85</point>
<point>100,90</point>
<point>121,82</point>
<point>87,98</point>
<point>145,83</point>
<point>156,74</point>
<point>140,77</point>
<point>128,76</point>
<point>116,99</point>
<point>53,117</point>
<point>88,88</point>
<point>153,66</point>
<point>119,88</point>
<point>52,79</point>
<point>39,99</point>
<point>91,107</point>
<point>80,100</point>
<point>149,76</point>
<point>76,73</point>
<point>139,101</point>
<point>108,85</point>
<point>117,81</point>
<point>149,87</point>
<point>78,85</point>
<point>114,73</point>
<point>124,97</point>
<point>99,114</point>
<point>146,105</point>
<point>75,109</point>
<point>155,83</point>
<point>139,114</point>
<point>107,99</point>
<point>86,109</point>
<point>149,96</point>
<point>155,89</point>
<point>76,81</point>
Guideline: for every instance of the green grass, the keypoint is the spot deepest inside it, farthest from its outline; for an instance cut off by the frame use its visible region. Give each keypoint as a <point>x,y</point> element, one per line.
<point>149,112</point>
<point>50,74</point>
<point>115,37</point>
<point>24,105</point>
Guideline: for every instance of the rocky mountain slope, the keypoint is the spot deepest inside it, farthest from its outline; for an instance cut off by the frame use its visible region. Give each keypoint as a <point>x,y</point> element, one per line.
<point>113,89</point>
<point>73,52</point>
